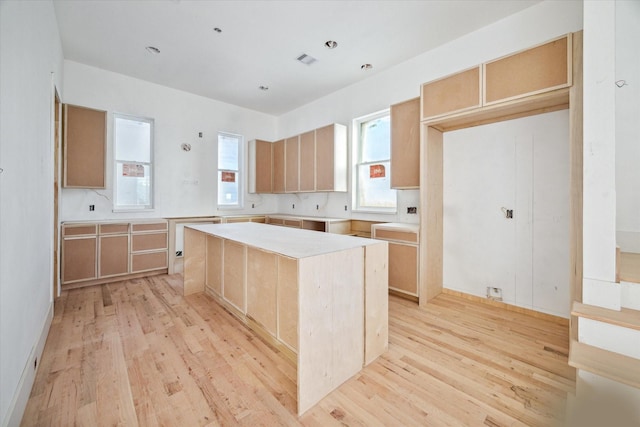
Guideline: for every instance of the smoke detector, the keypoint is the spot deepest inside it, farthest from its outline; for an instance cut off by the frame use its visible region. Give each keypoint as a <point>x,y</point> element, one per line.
<point>306,59</point>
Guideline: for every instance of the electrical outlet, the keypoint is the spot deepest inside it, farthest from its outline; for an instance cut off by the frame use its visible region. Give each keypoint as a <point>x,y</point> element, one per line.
<point>317,207</point>
<point>293,206</point>
<point>494,293</point>
<point>412,210</point>
<point>253,205</point>
<point>92,208</point>
<point>345,207</point>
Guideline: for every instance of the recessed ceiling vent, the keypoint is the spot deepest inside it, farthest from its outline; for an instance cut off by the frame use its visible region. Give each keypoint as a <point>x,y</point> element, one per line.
<point>306,59</point>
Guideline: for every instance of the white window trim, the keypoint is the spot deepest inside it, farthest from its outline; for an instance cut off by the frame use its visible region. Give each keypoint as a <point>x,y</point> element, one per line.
<point>355,155</point>
<point>152,198</point>
<point>240,173</point>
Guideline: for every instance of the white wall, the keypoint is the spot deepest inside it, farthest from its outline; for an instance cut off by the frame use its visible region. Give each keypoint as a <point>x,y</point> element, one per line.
<point>30,52</point>
<point>627,67</point>
<point>534,25</point>
<point>185,182</point>
<point>521,165</point>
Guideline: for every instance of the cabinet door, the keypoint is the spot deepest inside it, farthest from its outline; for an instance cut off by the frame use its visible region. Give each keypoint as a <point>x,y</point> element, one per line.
<point>262,280</point>
<point>261,160</point>
<point>331,158</point>
<point>84,147</point>
<point>405,144</point>
<point>79,259</point>
<point>114,255</point>
<point>539,69</point>
<point>291,171</point>
<point>403,268</point>
<point>233,289</point>
<point>213,278</point>
<point>450,94</point>
<point>288,301</point>
<point>308,161</point>
<point>278,166</point>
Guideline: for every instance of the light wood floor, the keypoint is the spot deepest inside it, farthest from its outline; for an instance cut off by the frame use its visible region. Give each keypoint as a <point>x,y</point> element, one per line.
<point>137,353</point>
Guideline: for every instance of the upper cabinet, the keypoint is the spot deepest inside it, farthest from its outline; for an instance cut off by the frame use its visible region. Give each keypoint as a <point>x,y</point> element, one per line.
<point>84,145</point>
<point>405,144</point>
<point>313,161</point>
<point>502,84</point>
<point>261,166</point>
<point>539,69</point>
<point>458,92</point>
<point>307,162</point>
<point>331,158</point>
<point>278,166</point>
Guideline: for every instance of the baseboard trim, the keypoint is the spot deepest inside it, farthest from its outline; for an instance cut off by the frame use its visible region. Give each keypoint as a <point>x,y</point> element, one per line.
<point>20,398</point>
<point>537,314</point>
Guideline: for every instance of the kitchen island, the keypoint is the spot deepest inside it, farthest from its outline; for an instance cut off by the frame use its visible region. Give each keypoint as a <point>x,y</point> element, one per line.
<point>320,298</point>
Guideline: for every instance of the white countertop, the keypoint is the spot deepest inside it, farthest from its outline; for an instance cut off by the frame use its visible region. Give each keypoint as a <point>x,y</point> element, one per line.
<point>291,242</point>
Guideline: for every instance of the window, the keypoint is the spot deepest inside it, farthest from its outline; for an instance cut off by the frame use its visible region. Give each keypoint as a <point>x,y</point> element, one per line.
<point>373,166</point>
<point>229,166</point>
<point>133,155</point>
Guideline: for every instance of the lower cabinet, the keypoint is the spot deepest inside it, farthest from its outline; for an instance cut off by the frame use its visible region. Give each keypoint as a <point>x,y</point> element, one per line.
<point>94,253</point>
<point>404,255</point>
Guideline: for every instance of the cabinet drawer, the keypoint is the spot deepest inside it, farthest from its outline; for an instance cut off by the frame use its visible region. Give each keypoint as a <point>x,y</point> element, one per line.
<point>79,230</point>
<point>148,242</point>
<point>260,220</point>
<point>148,261</point>
<point>292,223</point>
<point>114,228</point>
<point>454,93</point>
<point>156,226</point>
<point>539,69</point>
<point>276,221</point>
<point>402,236</point>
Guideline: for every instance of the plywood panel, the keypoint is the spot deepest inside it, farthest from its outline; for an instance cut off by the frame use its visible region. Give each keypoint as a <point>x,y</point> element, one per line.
<point>234,269</point>
<point>262,279</point>
<point>288,301</point>
<point>78,230</point>
<point>148,226</point>
<point>403,268</point>
<point>376,298</point>
<point>149,241</point>
<point>326,357</point>
<point>291,170</point>
<point>405,144</point>
<point>278,166</point>
<point>404,236</point>
<point>84,147</point>
<point>325,158</point>
<point>114,255</point>
<point>264,166</point>
<point>148,261</point>
<point>534,70</point>
<point>194,261</point>
<point>79,258</point>
<point>213,275</point>
<point>308,161</point>
<point>114,228</point>
<point>457,92</point>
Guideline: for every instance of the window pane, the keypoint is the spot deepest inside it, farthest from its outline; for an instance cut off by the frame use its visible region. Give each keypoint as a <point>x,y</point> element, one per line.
<point>228,152</point>
<point>133,181</point>
<point>374,186</point>
<point>375,137</point>
<point>133,140</point>
<point>227,188</point>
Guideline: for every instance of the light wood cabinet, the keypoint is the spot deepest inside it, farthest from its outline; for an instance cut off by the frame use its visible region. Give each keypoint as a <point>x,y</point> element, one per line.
<point>539,69</point>
<point>260,166</point>
<point>405,144</point>
<point>291,165</point>
<point>84,147</point>
<point>331,158</point>
<point>403,255</point>
<point>307,164</point>
<point>233,275</point>
<point>458,92</point>
<point>262,281</point>
<point>288,301</point>
<point>278,166</point>
<point>94,253</point>
<point>213,279</point>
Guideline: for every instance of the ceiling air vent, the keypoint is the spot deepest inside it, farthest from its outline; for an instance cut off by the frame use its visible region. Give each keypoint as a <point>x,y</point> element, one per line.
<point>306,59</point>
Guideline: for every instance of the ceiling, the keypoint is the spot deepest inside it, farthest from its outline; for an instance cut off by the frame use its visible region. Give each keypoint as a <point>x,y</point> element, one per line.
<point>260,41</point>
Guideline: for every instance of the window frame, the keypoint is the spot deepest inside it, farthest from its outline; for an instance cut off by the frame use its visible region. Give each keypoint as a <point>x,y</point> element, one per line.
<point>239,172</point>
<point>134,208</point>
<point>357,163</point>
